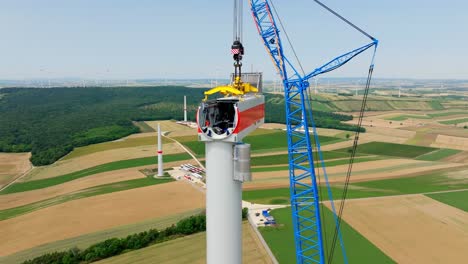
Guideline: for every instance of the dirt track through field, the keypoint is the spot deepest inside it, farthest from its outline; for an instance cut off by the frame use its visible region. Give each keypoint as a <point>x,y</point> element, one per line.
<point>411,229</point>
<point>13,165</point>
<point>92,214</point>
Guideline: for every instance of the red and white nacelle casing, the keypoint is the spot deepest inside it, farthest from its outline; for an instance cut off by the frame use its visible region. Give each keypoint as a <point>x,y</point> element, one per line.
<point>230,119</point>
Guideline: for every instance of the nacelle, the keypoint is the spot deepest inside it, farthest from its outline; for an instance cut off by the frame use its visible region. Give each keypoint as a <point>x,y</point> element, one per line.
<point>230,119</point>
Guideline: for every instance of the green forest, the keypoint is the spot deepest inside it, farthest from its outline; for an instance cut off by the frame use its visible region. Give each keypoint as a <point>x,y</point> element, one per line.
<point>50,122</point>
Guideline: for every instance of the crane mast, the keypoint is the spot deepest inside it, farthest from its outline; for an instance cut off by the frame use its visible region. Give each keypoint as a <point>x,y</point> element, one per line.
<point>304,190</point>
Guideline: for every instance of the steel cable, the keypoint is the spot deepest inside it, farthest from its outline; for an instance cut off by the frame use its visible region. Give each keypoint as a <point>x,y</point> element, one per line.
<point>351,161</point>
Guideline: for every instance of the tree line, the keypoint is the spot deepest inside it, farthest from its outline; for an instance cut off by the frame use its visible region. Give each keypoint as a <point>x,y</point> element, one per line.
<point>116,246</point>
<point>51,122</point>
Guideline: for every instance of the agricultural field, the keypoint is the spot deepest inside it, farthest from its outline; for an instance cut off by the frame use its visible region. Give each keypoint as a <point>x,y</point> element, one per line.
<point>438,154</point>
<point>83,193</point>
<point>448,187</point>
<point>136,140</point>
<point>362,171</point>
<point>192,249</point>
<point>98,213</point>
<point>434,182</point>
<point>87,240</point>
<point>98,159</point>
<point>117,165</point>
<point>454,121</point>
<point>392,149</point>
<point>100,185</point>
<point>443,228</point>
<point>12,166</point>
<point>454,142</point>
<point>456,199</point>
<point>281,240</point>
<point>273,141</point>
<point>408,161</point>
<point>405,117</point>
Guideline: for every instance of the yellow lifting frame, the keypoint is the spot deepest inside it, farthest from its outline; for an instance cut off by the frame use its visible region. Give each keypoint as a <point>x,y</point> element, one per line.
<point>237,88</point>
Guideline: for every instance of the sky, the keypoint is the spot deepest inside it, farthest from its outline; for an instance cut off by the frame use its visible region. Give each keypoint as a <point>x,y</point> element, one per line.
<point>134,39</point>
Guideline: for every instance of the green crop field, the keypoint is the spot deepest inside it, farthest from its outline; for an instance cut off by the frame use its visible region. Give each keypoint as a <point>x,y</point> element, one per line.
<point>117,165</point>
<point>456,199</point>
<point>327,164</point>
<point>436,105</point>
<point>447,114</point>
<point>84,241</point>
<point>392,149</point>
<point>126,143</point>
<point>93,191</point>
<point>438,154</point>
<point>282,195</point>
<point>412,105</point>
<point>347,106</point>
<point>358,249</point>
<point>404,117</point>
<point>322,106</point>
<point>455,121</point>
<point>377,105</point>
<point>275,141</point>
<point>270,168</point>
<point>334,103</point>
<point>433,182</point>
<point>427,183</point>
<point>184,139</point>
<point>283,158</point>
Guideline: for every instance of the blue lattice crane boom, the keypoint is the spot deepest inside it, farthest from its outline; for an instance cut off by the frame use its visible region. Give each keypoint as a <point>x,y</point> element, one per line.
<point>303,179</point>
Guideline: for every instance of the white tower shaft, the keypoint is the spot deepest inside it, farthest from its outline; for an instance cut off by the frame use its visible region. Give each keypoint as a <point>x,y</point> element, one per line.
<point>223,206</point>
<point>160,154</point>
<point>185,108</point>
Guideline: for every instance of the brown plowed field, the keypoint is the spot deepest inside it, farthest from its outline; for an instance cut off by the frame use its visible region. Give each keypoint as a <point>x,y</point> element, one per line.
<point>443,141</point>
<point>411,229</point>
<point>461,157</point>
<point>13,165</point>
<point>96,213</point>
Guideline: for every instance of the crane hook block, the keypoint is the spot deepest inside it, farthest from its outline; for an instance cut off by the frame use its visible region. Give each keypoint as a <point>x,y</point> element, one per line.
<point>237,50</point>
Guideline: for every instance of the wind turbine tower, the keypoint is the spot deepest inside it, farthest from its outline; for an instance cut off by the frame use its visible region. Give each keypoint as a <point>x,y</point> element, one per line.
<point>185,108</point>
<point>160,157</point>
